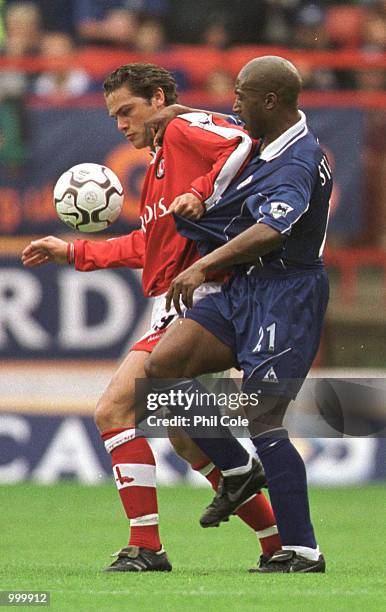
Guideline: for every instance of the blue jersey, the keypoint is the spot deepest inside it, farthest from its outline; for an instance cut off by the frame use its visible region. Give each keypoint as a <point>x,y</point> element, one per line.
<point>287,186</point>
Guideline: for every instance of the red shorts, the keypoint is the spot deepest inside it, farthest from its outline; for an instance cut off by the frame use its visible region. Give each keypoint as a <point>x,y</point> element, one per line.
<point>152,336</point>
<point>161,320</point>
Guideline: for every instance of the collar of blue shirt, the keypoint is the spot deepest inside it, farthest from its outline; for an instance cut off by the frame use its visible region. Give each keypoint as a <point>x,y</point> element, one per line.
<point>288,138</point>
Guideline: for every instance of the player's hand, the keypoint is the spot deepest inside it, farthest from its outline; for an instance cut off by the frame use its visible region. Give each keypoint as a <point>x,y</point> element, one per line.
<point>183,287</point>
<point>44,250</point>
<point>160,120</point>
<point>187,205</point>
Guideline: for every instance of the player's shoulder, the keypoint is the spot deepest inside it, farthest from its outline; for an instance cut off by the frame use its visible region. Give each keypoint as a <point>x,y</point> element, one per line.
<point>308,144</point>
<point>297,145</point>
<point>297,162</point>
<point>185,120</point>
<point>305,153</point>
<point>196,117</point>
<point>204,120</point>
<point>180,125</point>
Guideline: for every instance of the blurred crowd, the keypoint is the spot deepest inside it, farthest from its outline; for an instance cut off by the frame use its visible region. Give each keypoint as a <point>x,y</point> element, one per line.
<point>57,28</point>
<point>58,31</point>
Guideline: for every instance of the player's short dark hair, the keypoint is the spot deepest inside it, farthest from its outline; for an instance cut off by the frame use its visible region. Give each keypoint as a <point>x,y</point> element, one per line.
<point>143,80</point>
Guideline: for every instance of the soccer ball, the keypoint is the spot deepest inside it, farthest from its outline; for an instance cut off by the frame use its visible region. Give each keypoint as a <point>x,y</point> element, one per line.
<point>88,197</point>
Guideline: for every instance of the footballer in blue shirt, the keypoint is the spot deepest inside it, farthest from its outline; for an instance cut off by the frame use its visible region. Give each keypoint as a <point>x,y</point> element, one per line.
<point>269,228</point>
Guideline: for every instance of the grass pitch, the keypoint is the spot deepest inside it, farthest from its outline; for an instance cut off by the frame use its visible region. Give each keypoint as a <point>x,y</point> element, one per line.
<point>58,538</point>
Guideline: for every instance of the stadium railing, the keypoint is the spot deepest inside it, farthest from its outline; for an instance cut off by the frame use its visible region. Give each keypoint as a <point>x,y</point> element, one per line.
<point>198,61</point>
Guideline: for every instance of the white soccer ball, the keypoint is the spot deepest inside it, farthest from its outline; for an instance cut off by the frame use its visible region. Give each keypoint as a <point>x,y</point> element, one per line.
<point>88,197</point>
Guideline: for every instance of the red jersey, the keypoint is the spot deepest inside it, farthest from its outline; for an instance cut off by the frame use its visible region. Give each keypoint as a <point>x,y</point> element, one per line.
<point>200,154</point>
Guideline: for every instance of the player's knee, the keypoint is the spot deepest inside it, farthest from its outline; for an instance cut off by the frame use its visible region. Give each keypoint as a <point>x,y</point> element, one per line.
<point>158,366</point>
<point>110,415</point>
<point>103,415</point>
<point>153,368</point>
<point>269,415</point>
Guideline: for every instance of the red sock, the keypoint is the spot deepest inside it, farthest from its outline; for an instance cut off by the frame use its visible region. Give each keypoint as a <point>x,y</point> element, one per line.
<point>134,472</point>
<point>256,512</point>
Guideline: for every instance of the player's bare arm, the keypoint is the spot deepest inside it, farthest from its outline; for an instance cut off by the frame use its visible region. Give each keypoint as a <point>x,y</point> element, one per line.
<point>45,250</point>
<point>160,120</point>
<point>254,242</point>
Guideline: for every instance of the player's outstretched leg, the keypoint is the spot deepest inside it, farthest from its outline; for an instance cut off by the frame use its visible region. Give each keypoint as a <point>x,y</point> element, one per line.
<point>234,489</point>
<point>134,469</point>
<point>256,512</point>
<point>170,368</point>
<point>242,475</point>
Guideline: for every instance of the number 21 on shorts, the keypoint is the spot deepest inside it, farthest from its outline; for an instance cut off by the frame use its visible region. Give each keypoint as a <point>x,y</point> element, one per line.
<point>271,331</point>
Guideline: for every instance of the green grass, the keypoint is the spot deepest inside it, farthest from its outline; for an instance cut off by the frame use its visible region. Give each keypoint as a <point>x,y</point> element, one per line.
<point>58,538</point>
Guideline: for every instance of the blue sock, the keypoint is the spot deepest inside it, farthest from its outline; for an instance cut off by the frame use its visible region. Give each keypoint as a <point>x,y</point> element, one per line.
<point>287,485</point>
<point>216,441</point>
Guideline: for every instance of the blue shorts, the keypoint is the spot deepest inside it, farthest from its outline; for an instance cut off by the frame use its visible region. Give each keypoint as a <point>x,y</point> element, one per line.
<point>272,324</point>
